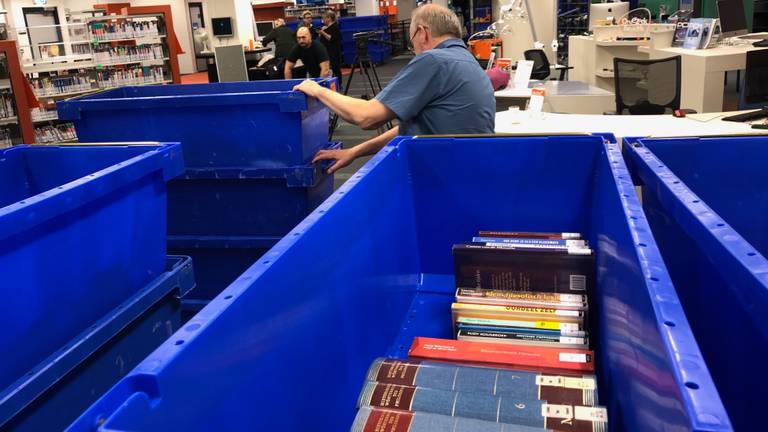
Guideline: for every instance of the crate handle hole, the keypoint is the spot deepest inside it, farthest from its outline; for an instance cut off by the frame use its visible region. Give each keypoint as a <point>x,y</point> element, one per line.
<point>751,254</point>
<point>669,323</point>
<point>227,297</point>
<point>696,201</point>
<point>692,385</point>
<point>653,278</point>
<point>179,342</point>
<point>721,225</point>
<point>642,245</point>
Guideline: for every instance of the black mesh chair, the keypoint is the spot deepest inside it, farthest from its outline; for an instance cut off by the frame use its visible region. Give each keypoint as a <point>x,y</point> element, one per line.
<point>541,66</point>
<point>645,87</point>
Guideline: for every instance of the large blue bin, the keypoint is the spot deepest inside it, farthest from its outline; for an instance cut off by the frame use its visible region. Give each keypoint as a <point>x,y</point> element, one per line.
<point>261,124</point>
<point>287,346</point>
<point>707,200</point>
<point>56,391</point>
<point>82,228</point>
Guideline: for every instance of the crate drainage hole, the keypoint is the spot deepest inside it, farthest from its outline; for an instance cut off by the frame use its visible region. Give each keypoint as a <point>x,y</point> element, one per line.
<point>655,279</point>
<point>227,297</point>
<point>669,323</point>
<point>675,182</point>
<point>179,342</point>
<point>642,244</point>
<point>721,225</point>
<point>695,201</point>
<point>751,254</point>
<point>692,385</point>
<point>265,262</point>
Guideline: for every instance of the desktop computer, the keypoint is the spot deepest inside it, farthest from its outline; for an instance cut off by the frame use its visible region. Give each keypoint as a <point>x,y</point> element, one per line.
<point>604,11</point>
<point>733,21</point>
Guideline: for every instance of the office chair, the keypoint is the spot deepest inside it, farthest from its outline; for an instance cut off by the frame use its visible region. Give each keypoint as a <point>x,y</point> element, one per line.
<point>645,87</point>
<point>753,91</point>
<point>541,66</point>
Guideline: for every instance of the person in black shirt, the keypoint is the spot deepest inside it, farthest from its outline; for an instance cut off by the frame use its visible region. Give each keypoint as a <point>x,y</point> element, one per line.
<point>283,37</point>
<point>330,36</point>
<point>311,52</point>
<point>306,21</point>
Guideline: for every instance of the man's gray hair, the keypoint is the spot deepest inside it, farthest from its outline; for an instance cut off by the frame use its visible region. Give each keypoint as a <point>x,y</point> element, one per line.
<point>440,20</point>
<point>331,15</point>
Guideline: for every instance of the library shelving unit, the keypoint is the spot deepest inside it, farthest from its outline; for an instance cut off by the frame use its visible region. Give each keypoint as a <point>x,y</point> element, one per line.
<point>16,98</point>
<point>137,47</point>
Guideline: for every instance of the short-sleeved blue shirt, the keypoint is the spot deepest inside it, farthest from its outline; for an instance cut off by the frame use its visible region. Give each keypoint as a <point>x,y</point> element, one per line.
<point>442,91</point>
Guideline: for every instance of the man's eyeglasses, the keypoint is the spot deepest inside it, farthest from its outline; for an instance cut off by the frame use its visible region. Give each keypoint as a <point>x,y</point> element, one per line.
<point>410,39</point>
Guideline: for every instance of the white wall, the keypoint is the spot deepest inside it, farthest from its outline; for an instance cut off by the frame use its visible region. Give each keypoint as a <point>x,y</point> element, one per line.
<point>518,37</point>
<point>366,7</point>
<point>178,9</point>
<point>242,15</point>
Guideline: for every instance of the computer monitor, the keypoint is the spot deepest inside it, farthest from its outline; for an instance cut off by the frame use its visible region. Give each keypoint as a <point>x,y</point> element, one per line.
<point>691,5</point>
<point>603,11</point>
<point>733,21</point>
<point>222,27</point>
<point>263,28</point>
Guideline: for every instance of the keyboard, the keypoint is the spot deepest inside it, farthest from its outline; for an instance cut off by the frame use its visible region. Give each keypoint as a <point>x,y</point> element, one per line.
<point>748,116</point>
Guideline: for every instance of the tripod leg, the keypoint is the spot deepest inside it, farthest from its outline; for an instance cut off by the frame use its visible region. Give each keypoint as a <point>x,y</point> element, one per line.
<point>335,119</point>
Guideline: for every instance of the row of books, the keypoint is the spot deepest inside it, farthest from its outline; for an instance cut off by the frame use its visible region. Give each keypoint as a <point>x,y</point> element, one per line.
<point>517,283</point>
<point>41,114</point>
<point>130,76</point>
<point>6,138</point>
<point>54,85</point>
<point>416,395</point>
<point>121,54</point>
<point>7,108</point>
<point>124,30</point>
<point>54,134</point>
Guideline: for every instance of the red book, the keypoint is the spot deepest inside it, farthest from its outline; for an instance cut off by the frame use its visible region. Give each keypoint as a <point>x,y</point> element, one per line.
<point>529,356</point>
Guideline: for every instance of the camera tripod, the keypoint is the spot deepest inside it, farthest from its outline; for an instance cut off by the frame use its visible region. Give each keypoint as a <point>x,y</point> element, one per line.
<point>367,68</point>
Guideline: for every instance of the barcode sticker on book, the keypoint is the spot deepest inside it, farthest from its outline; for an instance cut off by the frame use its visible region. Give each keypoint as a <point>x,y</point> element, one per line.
<point>578,283</point>
<point>549,380</point>
<point>557,411</point>
<point>579,383</point>
<point>591,413</point>
<point>573,358</point>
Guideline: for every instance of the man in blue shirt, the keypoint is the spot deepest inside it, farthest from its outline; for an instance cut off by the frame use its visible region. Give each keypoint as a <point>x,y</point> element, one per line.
<point>442,90</point>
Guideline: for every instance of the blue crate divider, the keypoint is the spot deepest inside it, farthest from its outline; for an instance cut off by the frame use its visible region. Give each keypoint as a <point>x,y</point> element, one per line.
<point>371,268</point>
<point>706,199</point>
<point>55,392</point>
<point>75,220</point>
<point>260,124</point>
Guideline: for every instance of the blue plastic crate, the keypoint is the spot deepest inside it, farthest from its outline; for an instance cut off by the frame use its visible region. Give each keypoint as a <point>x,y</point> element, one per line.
<point>706,200</point>
<point>256,202</point>
<point>55,392</point>
<point>260,124</point>
<point>371,268</point>
<point>362,23</point>
<point>74,221</point>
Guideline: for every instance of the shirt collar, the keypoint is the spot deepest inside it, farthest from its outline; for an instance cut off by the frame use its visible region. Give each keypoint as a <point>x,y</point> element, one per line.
<point>450,43</point>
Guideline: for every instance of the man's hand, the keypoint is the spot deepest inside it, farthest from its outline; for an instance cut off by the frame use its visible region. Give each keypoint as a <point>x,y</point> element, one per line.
<point>342,157</point>
<point>309,87</point>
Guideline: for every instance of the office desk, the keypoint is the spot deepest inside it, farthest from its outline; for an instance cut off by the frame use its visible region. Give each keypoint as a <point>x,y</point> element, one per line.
<point>622,126</point>
<point>573,97</point>
<point>703,73</point>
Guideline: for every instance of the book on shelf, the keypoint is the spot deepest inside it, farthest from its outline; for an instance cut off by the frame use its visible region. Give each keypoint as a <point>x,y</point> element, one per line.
<point>527,357</point>
<point>551,333</point>
<point>576,389</point>
<point>370,419</point>
<point>512,269</point>
<point>531,242</point>
<point>531,235</point>
<point>500,409</point>
<point>521,338</point>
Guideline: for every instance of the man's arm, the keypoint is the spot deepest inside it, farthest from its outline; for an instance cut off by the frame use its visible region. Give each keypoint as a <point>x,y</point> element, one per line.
<point>268,38</point>
<point>345,156</point>
<point>324,34</point>
<point>366,114</point>
<point>288,69</point>
<point>325,67</point>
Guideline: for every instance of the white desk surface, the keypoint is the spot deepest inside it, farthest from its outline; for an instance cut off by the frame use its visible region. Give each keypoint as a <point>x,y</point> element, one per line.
<point>514,121</point>
<point>553,88</point>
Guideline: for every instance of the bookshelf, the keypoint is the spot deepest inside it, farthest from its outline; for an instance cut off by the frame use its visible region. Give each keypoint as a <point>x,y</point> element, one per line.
<point>137,47</point>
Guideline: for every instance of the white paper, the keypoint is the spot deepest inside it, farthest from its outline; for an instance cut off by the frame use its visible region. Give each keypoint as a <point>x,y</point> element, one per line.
<point>523,73</point>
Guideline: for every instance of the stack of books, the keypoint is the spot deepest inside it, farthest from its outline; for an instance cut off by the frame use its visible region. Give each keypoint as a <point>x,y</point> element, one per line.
<point>416,395</point>
<point>523,288</point>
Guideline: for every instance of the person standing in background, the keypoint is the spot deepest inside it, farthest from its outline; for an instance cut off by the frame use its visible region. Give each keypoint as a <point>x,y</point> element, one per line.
<point>311,53</point>
<point>330,36</point>
<point>306,21</point>
<point>283,37</point>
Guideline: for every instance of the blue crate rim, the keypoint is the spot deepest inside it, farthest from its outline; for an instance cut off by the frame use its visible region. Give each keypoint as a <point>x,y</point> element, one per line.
<point>177,276</point>
<point>739,248</point>
<point>691,372</point>
<point>40,206</point>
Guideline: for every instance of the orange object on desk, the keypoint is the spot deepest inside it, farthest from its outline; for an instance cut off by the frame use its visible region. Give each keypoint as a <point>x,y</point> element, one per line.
<point>481,48</point>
